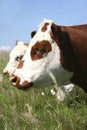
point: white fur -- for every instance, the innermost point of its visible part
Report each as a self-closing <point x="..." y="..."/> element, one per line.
<point x="18" y="50"/>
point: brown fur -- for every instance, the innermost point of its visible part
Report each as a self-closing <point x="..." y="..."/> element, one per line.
<point x="20" y="64"/>
<point x="72" y="41"/>
<point x="39" y="49"/>
<point x="44" y="28"/>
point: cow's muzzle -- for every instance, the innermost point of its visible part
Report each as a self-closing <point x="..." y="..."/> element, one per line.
<point x="15" y="81"/>
<point x="5" y="72"/>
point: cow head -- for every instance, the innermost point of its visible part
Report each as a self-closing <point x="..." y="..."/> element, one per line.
<point x="15" y="57"/>
<point x="42" y="60"/>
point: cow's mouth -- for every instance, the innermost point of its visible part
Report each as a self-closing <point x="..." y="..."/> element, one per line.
<point x="15" y="81"/>
<point x="25" y="87"/>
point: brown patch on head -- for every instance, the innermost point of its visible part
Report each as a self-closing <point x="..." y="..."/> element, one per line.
<point x="44" y="28"/>
<point x="20" y="64"/>
<point x="39" y="49"/>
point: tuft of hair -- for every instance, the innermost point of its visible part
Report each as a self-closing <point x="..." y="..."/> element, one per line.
<point x="19" y="42"/>
<point x="45" y="21"/>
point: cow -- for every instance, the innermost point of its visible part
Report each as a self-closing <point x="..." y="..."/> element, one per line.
<point x="56" y="55"/>
<point x="15" y="56"/>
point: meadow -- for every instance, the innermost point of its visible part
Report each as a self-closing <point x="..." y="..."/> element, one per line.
<point x="32" y="110"/>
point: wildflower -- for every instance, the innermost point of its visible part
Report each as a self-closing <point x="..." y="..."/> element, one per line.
<point x="42" y="93"/>
<point x="52" y="92"/>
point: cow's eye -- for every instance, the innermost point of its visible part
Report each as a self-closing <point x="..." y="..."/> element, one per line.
<point x="37" y="50"/>
<point x="18" y="58"/>
<point x="42" y="49"/>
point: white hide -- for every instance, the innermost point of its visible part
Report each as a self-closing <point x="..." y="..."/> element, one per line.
<point x="14" y="57"/>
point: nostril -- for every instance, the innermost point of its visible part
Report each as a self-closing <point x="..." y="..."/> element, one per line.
<point x="14" y="80"/>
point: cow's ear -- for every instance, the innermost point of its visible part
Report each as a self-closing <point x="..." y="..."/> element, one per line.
<point x="55" y="32"/>
<point x="55" y="29"/>
<point x="26" y="44"/>
<point x="16" y="42"/>
<point x="33" y="33"/>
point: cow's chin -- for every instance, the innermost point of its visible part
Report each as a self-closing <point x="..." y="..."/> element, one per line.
<point x="26" y="85"/>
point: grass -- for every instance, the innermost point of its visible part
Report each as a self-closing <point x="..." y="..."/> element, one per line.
<point x="29" y="110"/>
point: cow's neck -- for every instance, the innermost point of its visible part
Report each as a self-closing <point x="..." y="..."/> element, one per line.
<point x="69" y="59"/>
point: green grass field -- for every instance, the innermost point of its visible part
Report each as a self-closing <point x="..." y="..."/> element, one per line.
<point x="29" y="110"/>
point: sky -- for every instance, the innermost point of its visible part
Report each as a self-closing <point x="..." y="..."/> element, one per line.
<point x="18" y="18"/>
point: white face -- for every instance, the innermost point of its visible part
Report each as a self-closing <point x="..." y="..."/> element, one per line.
<point x="41" y="59"/>
<point x="15" y="56"/>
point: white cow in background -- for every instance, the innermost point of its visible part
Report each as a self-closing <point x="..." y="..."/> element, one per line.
<point x="15" y="56"/>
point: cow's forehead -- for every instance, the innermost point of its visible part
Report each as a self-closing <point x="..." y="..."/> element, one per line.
<point x="45" y="26"/>
<point x="43" y="33"/>
<point x="18" y="49"/>
<point x="44" y="22"/>
<point x="44" y="29"/>
<point x="42" y="37"/>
